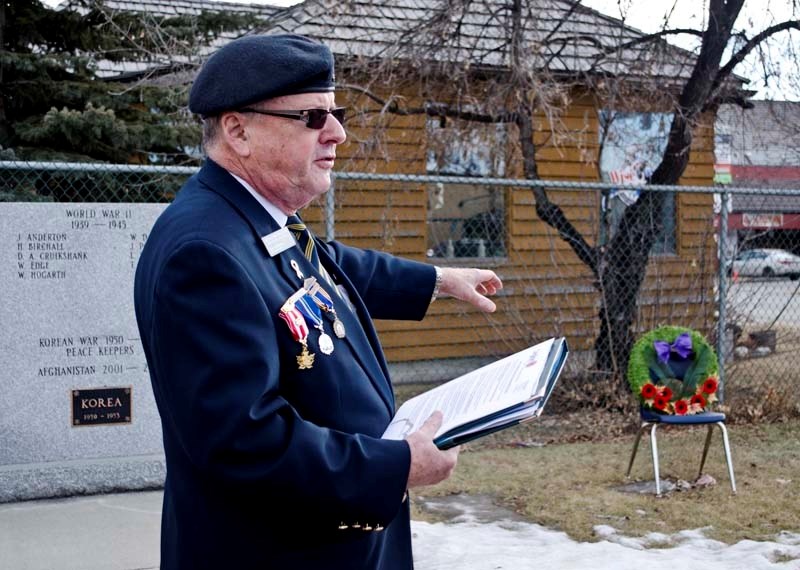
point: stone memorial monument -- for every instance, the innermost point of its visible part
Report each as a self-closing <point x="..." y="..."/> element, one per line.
<point x="77" y="413"/>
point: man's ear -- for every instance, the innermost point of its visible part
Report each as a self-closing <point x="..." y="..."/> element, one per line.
<point x="234" y="133"/>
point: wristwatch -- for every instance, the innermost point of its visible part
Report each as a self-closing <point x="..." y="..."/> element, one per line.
<point x="437" y="284"/>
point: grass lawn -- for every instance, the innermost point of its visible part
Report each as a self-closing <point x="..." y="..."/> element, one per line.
<point x="564" y="472"/>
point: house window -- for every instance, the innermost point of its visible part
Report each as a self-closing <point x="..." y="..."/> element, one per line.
<point x="632" y="145"/>
<point x="465" y="220"/>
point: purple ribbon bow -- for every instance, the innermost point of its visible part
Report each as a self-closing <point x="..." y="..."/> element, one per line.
<point x="682" y="347"/>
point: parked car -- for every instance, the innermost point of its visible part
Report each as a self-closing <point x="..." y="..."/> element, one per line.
<point x="766" y="263"/>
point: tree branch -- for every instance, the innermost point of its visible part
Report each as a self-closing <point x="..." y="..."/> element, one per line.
<point x="607" y="50"/>
<point x="725" y="71"/>
<point x="654" y="36"/>
<point x="548" y="212"/>
<point x="432" y="109"/>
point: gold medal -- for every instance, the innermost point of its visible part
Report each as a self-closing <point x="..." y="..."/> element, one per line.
<point x="297" y="325"/>
<point x="306" y="359"/>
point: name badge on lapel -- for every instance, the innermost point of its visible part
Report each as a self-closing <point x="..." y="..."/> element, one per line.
<point x="278" y="241"/>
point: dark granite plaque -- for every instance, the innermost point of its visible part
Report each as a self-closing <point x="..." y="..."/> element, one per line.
<point x="99" y="406"/>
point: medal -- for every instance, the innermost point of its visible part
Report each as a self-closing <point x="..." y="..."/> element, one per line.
<point x="323" y="300"/>
<point x="312" y="312"/>
<point x="338" y="326"/>
<point x="325" y="343"/>
<point x="297" y="324"/>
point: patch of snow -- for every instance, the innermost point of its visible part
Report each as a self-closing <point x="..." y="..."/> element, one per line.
<point x="512" y="545"/>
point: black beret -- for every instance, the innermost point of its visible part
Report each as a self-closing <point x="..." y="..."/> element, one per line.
<point x="254" y="68"/>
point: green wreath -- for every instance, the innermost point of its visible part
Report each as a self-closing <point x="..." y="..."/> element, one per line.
<point x="673" y="370"/>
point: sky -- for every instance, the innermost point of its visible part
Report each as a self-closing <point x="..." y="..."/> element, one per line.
<point x="649" y="16"/>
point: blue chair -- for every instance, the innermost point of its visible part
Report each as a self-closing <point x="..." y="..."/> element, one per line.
<point x="652" y="420"/>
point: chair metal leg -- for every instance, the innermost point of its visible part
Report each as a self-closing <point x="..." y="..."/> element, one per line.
<point x="705" y="449"/>
<point x="635" y="447"/>
<point x="727" y="447"/>
<point x="654" y="449"/>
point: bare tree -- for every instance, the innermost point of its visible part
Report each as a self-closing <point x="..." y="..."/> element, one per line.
<point x="705" y="89"/>
<point x="509" y="61"/>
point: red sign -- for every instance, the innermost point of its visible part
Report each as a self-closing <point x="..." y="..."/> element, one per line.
<point x="762" y="220"/>
<point x="753" y="220"/>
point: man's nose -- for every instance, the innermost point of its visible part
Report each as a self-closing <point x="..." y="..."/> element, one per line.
<point x="333" y="131"/>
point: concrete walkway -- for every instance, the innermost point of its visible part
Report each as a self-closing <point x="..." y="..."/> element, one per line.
<point x="121" y="532"/>
<point x="101" y="532"/>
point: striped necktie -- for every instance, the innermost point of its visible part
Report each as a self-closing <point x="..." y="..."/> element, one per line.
<point x="304" y="239"/>
<point x="306" y="242"/>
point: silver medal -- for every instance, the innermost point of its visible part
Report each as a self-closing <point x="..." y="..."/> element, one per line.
<point x="338" y="328"/>
<point x="325" y="344"/>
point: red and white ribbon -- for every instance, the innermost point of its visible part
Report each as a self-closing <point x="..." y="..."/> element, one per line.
<point x="297" y="323"/>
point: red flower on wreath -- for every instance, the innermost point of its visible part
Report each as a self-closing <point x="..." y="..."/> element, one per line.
<point x="698" y="399"/>
<point x="666" y="392"/>
<point x="649" y="391"/>
<point x="710" y="385"/>
<point x="681" y="407"/>
<point x="660" y="402"/>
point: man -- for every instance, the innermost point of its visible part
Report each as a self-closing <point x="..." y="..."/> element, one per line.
<point x="271" y="384"/>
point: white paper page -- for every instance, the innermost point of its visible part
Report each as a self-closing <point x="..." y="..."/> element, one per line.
<point x="533" y="410"/>
<point x="489" y="389"/>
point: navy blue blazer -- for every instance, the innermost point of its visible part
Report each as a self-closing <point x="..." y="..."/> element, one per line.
<point x="265" y="462"/>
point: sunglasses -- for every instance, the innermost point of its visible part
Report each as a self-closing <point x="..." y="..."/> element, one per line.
<point x="313" y="118"/>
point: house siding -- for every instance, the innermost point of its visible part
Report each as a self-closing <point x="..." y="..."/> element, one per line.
<point x="548" y="290"/>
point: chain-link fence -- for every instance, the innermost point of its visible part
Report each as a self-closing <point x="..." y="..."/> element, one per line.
<point x="597" y="275"/>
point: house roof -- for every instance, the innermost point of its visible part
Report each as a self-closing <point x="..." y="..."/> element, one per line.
<point x="559" y="35"/>
<point x="165" y="63"/>
<point x="189" y="7"/>
<point x="562" y="36"/>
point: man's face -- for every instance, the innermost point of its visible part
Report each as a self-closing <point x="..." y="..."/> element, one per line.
<point x="290" y="164"/>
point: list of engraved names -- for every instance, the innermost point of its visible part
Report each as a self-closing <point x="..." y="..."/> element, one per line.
<point x="54" y="255"/>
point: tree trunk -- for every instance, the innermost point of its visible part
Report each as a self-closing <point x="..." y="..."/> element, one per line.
<point x="622" y="271"/>
<point x="621" y="276"/>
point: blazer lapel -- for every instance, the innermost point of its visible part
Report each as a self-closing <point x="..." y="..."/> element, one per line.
<point x="365" y="341"/>
<point x="219" y="180"/>
<point x="360" y="336"/>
